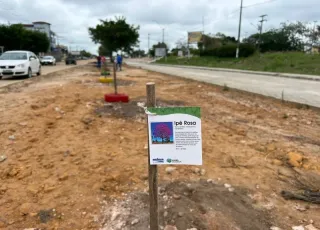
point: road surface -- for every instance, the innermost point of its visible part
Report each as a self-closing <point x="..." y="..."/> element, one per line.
<point x="295" y="90"/>
<point x="45" y="70"/>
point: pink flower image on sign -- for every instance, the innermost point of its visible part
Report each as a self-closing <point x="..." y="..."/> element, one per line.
<point x="162" y="132"/>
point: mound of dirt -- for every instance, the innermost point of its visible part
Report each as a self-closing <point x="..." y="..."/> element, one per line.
<point x="133" y="109"/>
<point x="201" y="205"/>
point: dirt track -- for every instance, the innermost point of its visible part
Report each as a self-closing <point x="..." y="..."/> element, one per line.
<point x="74" y="162"/>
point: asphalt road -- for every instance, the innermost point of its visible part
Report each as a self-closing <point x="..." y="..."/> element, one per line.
<point x="295" y="90"/>
<point x="45" y="70"/>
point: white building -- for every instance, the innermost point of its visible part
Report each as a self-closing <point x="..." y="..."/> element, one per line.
<point x="45" y="28"/>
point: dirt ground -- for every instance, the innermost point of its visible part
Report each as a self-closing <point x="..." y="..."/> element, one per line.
<point x="45" y="70"/>
<point x="70" y="161"/>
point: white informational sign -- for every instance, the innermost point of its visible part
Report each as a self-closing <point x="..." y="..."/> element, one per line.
<point x="75" y="53"/>
<point x="180" y="53"/>
<point x="175" y="136"/>
<point x="160" y="52"/>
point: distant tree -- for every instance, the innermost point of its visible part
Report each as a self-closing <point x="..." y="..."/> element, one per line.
<point x="220" y="35"/>
<point x="84" y="53"/>
<point x="209" y="42"/>
<point x="114" y="35"/>
<point x="16" y="37"/>
<point x="295" y="32"/>
<point x="163" y="132"/>
<point x="313" y="35"/>
<point x="103" y="51"/>
<point x="182" y="44"/>
<point x="317" y="34"/>
<point x="159" y="45"/>
<point x="36" y="42"/>
<point x="288" y="37"/>
<point x="174" y="51"/>
<point x="225" y="39"/>
<point x="138" y="53"/>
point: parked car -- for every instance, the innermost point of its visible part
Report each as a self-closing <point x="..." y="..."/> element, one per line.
<point x="19" y="63"/>
<point x="71" y="60"/>
<point x="48" y="60"/>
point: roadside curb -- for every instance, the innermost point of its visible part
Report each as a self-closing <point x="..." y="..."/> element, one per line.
<point x="283" y="75"/>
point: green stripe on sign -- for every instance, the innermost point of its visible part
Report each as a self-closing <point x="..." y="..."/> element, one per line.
<point x="193" y="111"/>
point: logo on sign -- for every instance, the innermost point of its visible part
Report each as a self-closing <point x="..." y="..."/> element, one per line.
<point x="158" y="160"/>
<point x="173" y="161"/>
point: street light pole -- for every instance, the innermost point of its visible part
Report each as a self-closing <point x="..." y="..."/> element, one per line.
<point x="239" y="30"/>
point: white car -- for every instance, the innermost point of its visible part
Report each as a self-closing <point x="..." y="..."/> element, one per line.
<point x="48" y="60"/>
<point x="19" y="63"/>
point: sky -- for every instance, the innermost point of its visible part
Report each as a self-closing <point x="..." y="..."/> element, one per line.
<point x="70" y="19"/>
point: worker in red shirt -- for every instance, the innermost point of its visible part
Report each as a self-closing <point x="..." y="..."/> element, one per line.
<point x="103" y="60"/>
<point x="99" y="61"/>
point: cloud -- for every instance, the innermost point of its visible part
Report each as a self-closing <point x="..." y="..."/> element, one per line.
<point x="70" y="19"/>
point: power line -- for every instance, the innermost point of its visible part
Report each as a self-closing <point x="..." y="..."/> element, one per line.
<point x="258" y="4"/>
<point x="255" y="26"/>
<point x="236" y="10"/>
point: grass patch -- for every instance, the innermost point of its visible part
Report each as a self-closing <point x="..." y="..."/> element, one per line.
<point x="225" y="88"/>
<point x="282" y="62"/>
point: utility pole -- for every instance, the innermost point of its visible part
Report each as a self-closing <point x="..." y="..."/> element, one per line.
<point x="239" y="30"/>
<point x="314" y="33"/>
<point x="148" y="45"/>
<point x="261" y="27"/>
<point x="163" y="35"/>
<point x="203" y="24"/>
<point x="139" y="49"/>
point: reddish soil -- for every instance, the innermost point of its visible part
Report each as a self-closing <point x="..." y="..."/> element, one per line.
<point x="73" y="160"/>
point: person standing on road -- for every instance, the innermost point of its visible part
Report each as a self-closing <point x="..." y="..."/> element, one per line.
<point x="103" y="60"/>
<point x="119" y="61"/>
<point x="99" y="61"/>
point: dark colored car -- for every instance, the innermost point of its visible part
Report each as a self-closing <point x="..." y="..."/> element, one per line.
<point x="71" y="60"/>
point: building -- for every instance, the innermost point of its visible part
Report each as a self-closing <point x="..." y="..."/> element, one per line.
<point x="45" y="28"/>
<point x="315" y="49"/>
<point x="62" y="48"/>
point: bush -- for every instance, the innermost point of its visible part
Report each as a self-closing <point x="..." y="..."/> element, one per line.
<point x="229" y="51"/>
<point x="195" y="52"/>
<point x="226" y="51"/>
<point x="247" y="50"/>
